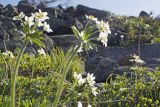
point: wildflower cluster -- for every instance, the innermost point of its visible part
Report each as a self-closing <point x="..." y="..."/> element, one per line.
<point x="41" y="51"/>
<point x="137" y="59"/>
<point x="36" y="19"/>
<point x="103" y="28"/>
<point x="80" y="104"/>
<point x="89" y="81"/>
<point x="85" y="37"/>
<point x="8" y="53"/>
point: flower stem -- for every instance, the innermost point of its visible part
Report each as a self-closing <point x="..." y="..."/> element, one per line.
<point x="15" y="73"/>
<point x="60" y="87"/>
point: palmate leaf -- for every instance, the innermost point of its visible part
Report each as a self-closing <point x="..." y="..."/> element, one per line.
<point x="26" y="28"/>
<point x="36" y="34"/>
<point x="42" y="38"/>
<point x="88" y="32"/>
<point x="38" y="42"/>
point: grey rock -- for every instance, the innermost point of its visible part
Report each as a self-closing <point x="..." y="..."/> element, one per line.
<point x="125" y="60"/>
<point x="4" y="35"/>
<point x="153" y="60"/>
<point x="16" y="34"/>
<point x="26" y="7"/>
<point x="70" y="9"/>
<point x="101" y="67"/>
<point x="7" y="23"/>
<point x="60" y="26"/>
<point x="64" y="40"/>
<point x="10" y="45"/>
<point x="31" y="51"/>
<point x="121" y="69"/>
<point x="10" y="11"/>
<point x="83" y="10"/>
<point x="143" y="14"/>
<point x="48" y="42"/>
<point x="1" y="8"/>
<point x="116" y="53"/>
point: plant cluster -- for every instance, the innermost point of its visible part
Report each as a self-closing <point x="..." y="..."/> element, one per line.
<point x="54" y="80"/>
<point x="131" y="27"/>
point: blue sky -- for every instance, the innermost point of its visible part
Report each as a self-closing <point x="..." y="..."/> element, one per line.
<point x="119" y="7"/>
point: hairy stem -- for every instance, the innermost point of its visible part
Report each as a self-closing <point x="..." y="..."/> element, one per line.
<point x="60" y="87"/>
<point x="15" y="73"/>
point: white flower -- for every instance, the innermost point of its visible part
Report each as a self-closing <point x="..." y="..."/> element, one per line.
<point x="89" y="105"/>
<point x="140" y="61"/>
<point x="137" y="59"/>
<point x="8" y="53"/>
<point x="47" y="27"/>
<point x="94" y="92"/>
<point x="91" y="17"/>
<point x="29" y="20"/>
<point x="41" y="51"/>
<point x="19" y="17"/>
<point x="90" y="79"/>
<point x="115" y="34"/>
<point x="79" y="78"/>
<point x="40" y="24"/>
<point x="41" y="16"/>
<point x="122" y="89"/>
<point x="79" y="104"/>
<point x="103" y="37"/>
<point x="81" y="81"/>
<point x="114" y="83"/>
<point x="103" y="27"/>
<point x="79" y="94"/>
<point x="121" y="36"/>
<point x="134" y="68"/>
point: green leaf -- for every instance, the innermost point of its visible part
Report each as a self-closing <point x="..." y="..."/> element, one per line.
<point x="88" y="32"/>
<point x="38" y="42"/>
<point x="76" y="32"/>
<point x="42" y="38"/>
<point x="36" y="34"/>
<point x="26" y="29"/>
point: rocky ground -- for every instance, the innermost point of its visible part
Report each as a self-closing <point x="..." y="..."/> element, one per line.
<point x="101" y="63"/>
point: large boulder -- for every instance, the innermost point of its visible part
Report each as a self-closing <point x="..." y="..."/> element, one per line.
<point x="16" y="34"/>
<point x="62" y="26"/>
<point x="143" y="14"/>
<point x="152" y="62"/>
<point x="49" y="43"/>
<point x="1" y="8"/>
<point x="26" y="7"/>
<point x="101" y="67"/>
<point x="64" y="40"/>
<point x="6" y="25"/>
<point x="125" y="60"/>
<point x="31" y="51"/>
<point x="4" y="35"/>
<point x="10" y="11"/>
<point x="82" y="10"/>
